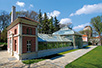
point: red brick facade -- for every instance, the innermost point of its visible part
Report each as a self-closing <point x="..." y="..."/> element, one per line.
<point x="22" y="35"/>
<point x="24" y="30"/>
<point x="24" y="43"/>
<point x="14" y="37"/>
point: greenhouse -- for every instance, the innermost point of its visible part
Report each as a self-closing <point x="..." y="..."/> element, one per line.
<point x="70" y="34"/>
<point x="63" y="38"/>
<point x="48" y="41"/>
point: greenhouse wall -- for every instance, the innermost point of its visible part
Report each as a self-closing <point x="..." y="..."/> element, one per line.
<point x="49" y="48"/>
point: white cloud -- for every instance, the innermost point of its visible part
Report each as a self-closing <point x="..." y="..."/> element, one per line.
<point x="88" y="9"/>
<point x="53" y="14"/>
<point x="31" y="5"/>
<point x="23" y="10"/>
<point x="81" y="26"/>
<point x="21" y="4"/>
<point x="65" y="21"/>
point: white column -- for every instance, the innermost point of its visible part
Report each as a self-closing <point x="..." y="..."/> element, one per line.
<point x="19" y="39"/>
<point x="74" y="41"/>
<point x="12" y="45"/>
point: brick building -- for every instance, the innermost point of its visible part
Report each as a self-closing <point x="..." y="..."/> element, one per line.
<point x="22" y="36"/>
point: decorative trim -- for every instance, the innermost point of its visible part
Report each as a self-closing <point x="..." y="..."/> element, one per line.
<point x="23" y="24"/>
<point x="29" y="35"/>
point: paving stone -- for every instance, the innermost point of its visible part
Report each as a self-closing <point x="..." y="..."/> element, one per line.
<point x="7" y="61"/>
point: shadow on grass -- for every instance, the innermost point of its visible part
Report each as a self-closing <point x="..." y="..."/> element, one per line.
<point x="86" y="47"/>
<point x="52" y="57"/>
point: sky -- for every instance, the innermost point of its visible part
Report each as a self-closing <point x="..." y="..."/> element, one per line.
<point x="77" y="12"/>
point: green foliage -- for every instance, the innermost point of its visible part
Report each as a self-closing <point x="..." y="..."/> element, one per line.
<point x="67" y="51"/>
<point x="47" y="26"/>
<point x="40" y="20"/>
<point x="96" y="22"/>
<point x="51" y="45"/>
<point x="92" y="59"/>
<point x="56" y="22"/>
<point x="45" y="22"/>
<point x="1" y="43"/>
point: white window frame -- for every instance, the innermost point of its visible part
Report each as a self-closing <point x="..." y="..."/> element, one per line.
<point x="29" y="46"/>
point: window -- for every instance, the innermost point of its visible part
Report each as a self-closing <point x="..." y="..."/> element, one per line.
<point x="27" y="30"/>
<point x="28" y="46"/>
<point x="15" y="46"/>
<point x="15" y="32"/>
<point x="30" y="31"/>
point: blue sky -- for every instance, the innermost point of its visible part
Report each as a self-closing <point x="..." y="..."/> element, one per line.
<point x="78" y="12"/>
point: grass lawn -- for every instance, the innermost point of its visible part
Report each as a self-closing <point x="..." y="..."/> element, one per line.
<point x="92" y="59"/>
<point x="47" y="57"/>
<point x="1" y="43"/>
<point x="67" y="51"/>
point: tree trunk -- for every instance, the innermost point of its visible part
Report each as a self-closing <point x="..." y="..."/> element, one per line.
<point x="100" y="40"/>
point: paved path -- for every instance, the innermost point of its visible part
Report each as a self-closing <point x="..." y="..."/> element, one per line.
<point x="56" y="62"/>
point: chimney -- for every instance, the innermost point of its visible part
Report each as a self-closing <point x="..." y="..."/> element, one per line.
<point x="13" y="15"/>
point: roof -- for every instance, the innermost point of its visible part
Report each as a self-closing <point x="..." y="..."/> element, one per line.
<point x="84" y="35"/>
<point x="52" y="38"/>
<point x="95" y="37"/>
<point x="23" y="20"/>
<point x="29" y="19"/>
<point x="66" y="31"/>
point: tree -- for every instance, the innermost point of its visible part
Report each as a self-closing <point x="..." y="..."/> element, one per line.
<point x="4" y="19"/>
<point x="51" y="26"/>
<point x="96" y="22"/>
<point x="86" y="32"/>
<point x="30" y="14"/>
<point x="4" y="35"/>
<point x="45" y="24"/>
<point x="40" y="20"/>
<point x="56" y="24"/>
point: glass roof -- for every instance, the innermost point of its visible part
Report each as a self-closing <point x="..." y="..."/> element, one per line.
<point x="65" y="31"/>
<point x="51" y="38"/>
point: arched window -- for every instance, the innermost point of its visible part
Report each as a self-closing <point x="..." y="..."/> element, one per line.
<point x="27" y="30"/>
<point x="15" y="31"/>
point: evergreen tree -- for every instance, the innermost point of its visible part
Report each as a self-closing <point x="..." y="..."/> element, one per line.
<point x="56" y="24"/>
<point x="40" y="20"/>
<point x="45" y="27"/>
<point x="51" y="26"/>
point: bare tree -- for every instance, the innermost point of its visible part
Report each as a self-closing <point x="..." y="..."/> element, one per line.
<point x="30" y="14"/>
<point x="4" y="19"/>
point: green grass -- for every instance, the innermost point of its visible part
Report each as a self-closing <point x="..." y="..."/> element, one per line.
<point x="47" y="57"/>
<point x="32" y="61"/>
<point x="1" y="43"/>
<point x="67" y="51"/>
<point x="92" y="59"/>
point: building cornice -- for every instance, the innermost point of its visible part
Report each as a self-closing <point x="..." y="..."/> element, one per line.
<point x="22" y="21"/>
